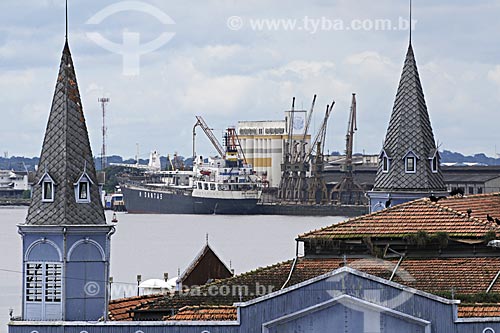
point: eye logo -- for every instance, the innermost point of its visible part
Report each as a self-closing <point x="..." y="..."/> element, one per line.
<point x="131" y="49"/>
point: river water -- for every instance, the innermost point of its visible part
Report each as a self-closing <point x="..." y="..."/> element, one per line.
<point x="151" y="245"/>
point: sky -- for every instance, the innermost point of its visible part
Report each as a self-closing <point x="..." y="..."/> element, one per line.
<point x="163" y="62"/>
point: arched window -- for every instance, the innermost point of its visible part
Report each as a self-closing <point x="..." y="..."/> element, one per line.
<point x="43" y="281"/>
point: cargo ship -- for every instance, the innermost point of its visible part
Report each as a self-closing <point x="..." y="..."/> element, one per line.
<point x="225" y="184"/>
<point x="213" y="187"/>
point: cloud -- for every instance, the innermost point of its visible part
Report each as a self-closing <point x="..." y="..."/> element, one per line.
<point x="494" y="74"/>
<point x="227" y="76"/>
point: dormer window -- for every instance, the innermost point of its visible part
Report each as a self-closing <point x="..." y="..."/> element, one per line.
<point x="434" y="160"/>
<point x="386" y="162"/>
<point x="47" y="191"/>
<point x="82" y="188"/>
<point x="410" y="162"/>
<point x="48" y="188"/>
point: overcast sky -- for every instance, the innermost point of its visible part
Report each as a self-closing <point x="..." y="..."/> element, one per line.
<point x="228" y="69"/>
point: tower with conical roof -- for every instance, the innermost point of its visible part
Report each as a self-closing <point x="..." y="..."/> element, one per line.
<point x="409" y="161"/>
<point x="66" y="240"/>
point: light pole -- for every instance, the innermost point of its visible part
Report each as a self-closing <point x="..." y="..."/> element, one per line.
<point x="139" y="278"/>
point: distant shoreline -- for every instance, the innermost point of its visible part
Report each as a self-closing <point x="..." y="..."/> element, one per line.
<point x="14" y="202"/>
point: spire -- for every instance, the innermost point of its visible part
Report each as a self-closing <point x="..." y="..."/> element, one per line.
<point x="66" y="156"/>
<point x="409" y="132"/>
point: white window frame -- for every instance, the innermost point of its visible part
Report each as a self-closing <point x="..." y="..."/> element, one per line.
<point x="83" y="180"/>
<point x="44" y="193"/>
<point x="386" y="162"/>
<point x="414" y="158"/>
<point x="81" y="199"/>
<point x="46" y="179"/>
<point x="435" y="164"/>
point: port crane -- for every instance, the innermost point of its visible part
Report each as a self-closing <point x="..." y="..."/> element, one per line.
<point x="317" y="191"/>
<point x="294" y="168"/>
<point x="231" y="151"/>
<point x="210" y="135"/>
<point x="298" y="159"/>
<point x="348" y="191"/>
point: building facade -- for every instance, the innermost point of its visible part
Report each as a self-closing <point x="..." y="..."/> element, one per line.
<point x="13" y="184"/>
<point x="263" y="143"/>
<point x="66" y="240"/>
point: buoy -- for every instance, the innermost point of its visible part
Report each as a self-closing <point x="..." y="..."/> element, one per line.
<point x="115" y="219"/>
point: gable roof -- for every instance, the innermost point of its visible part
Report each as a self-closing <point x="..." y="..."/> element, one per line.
<point x="206" y="250"/>
<point x="66" y="155"/>
<point x="409" y="130"/>
<point x="447" y="215"/>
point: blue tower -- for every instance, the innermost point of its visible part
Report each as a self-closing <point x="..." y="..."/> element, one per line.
<point x="66" y="240"/>
<point x="409" y="161"/>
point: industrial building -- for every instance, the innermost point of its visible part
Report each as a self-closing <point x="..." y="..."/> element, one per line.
<point x="263" y="144"/>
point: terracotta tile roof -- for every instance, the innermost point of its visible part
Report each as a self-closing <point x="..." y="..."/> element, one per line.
<point x="481" y="205"/>
<point x="447" y="215"/>
<point x="464" y="275"/>
<point x="205" y="313"/>
<point x="254" y="283"/>
<point x="436" y="275"/>
<point x="479" y="310"/>
<point x="121" y="309"/>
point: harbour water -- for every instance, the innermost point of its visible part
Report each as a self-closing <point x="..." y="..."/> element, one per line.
<point x="151" y="245"/>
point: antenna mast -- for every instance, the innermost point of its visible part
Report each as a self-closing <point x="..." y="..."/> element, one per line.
<point x="103" y="101"/>
<point x="411" y="24"/>
<point x="66" y="20"/>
